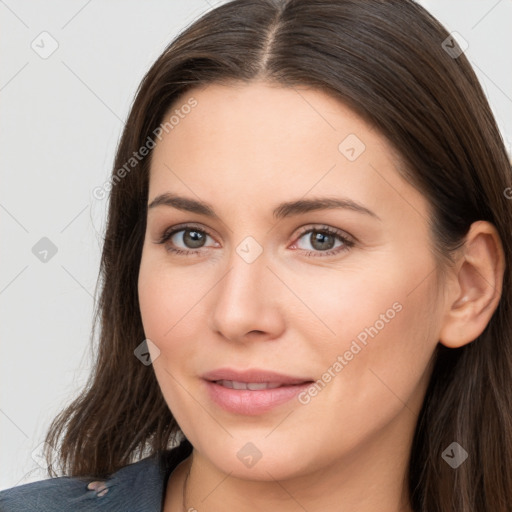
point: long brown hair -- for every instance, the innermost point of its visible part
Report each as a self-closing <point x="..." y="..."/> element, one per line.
<point x="387" y="60"/>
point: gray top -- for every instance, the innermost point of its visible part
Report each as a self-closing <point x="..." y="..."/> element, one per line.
<point x="137" y="487"/>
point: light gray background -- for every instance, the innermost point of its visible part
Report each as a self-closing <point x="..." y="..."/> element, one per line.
<point x="61" y="118"/>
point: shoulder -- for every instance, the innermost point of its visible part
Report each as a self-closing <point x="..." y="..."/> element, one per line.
<point x="138" y="487"/>
<point x="137" y="484"/>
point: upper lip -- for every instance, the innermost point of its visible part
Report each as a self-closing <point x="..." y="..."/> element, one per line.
<point x="253" y="375"/>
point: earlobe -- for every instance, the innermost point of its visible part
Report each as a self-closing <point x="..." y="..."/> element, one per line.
<point x="479" y="278"/>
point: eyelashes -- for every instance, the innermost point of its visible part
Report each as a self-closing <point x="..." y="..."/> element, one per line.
<point x="321" y="232"/>
<point x="173" y="231"/>
<point x="330" y="232"/>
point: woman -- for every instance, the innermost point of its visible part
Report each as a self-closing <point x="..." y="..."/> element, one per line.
<point x="307" y="237"/>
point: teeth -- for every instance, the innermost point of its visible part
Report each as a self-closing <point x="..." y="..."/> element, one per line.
<point x="253" y="386"/>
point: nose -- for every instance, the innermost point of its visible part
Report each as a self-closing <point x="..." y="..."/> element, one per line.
<point x="248" y="304"/>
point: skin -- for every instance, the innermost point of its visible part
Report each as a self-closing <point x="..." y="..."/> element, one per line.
<point x="243" y="149"/>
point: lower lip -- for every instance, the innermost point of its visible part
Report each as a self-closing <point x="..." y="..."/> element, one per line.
<point x="252" y="403"/>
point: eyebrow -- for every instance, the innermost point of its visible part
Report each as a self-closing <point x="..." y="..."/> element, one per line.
<point x="286" y="209"/>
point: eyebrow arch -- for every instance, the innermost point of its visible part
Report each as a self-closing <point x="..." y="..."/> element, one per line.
<point x="286" y="209"/>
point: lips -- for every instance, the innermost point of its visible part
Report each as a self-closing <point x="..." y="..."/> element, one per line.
<point x="252" y="392"/>
<point x="253" y="386"/>
<point x="254" y="377"/>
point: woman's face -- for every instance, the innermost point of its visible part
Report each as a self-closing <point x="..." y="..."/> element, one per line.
<point x="346" y="318"/>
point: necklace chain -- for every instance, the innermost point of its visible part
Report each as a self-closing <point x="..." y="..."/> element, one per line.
<point x="185" y="489"/>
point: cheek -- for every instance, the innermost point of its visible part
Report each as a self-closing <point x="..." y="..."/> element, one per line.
<point x="167" y="309"/>
<point x="386" y="334"/>
<point x="166" y="300"/>
<point x="154" y="305"/>
<point x="383" y="318"/>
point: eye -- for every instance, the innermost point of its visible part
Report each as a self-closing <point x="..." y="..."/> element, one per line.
<point x="193" y="238"/>
<point x="323" y="241"/>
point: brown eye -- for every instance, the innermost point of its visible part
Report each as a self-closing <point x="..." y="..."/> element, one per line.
<point x="322" y="241"/>
<point x="185" y="240"/>
<point x="192" y="238"/>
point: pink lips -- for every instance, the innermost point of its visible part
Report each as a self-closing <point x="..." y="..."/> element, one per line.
<point x="252" y="392"/>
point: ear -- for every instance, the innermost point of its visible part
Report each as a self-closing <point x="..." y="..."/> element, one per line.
<point x="478" y="278"/>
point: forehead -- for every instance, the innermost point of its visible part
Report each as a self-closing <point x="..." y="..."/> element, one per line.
<point x="252" y="142"/>
<point x="266" y="118"/>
